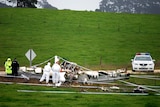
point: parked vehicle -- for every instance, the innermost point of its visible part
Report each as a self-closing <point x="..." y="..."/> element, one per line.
<point x="143" y="62"/>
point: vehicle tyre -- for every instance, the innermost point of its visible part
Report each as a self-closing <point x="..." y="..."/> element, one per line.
<point x="133" y="70"/>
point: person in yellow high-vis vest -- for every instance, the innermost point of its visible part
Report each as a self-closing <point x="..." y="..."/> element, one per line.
<point x="8" y="66"/>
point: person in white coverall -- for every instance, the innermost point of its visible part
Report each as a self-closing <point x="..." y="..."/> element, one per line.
<point x="56" y="69"/>
<point x="46" y="73"/>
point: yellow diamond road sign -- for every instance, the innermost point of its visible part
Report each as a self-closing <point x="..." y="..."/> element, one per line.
<point x="30" y="54"/>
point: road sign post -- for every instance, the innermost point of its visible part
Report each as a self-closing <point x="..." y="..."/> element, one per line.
<point x="30" y="54"/>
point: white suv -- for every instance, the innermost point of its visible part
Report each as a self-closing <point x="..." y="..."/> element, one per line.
<point x="142" y="62"/>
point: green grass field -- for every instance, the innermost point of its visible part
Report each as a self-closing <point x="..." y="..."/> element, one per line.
<point x="82" y="37"/>
<point x="13" y="98"/>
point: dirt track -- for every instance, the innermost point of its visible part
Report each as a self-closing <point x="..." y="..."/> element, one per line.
<point x="3" y="78"/>
<point x="33" y="80"/>
<point x="131" y="72"/>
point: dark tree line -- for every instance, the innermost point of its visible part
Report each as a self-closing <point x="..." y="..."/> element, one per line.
<point x="130" y="6"/>
<point x="26" y="3"/>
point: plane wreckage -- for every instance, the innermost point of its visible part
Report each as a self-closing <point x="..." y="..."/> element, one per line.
<point x="76" y="76"/>
<point x="72" y="72"/>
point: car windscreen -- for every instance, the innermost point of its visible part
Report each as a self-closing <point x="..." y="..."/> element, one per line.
<point x="143" y="58"/>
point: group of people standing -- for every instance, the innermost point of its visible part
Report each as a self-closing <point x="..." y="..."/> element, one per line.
<point x="54" y="71"/>
<point x="11" y="67"/>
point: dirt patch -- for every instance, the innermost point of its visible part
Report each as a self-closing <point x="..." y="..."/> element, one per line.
<point x="18" y="80"/>
<point x="2" y="69"/>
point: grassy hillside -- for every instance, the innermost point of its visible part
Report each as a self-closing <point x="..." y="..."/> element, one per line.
<point x="82" y="37"/>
